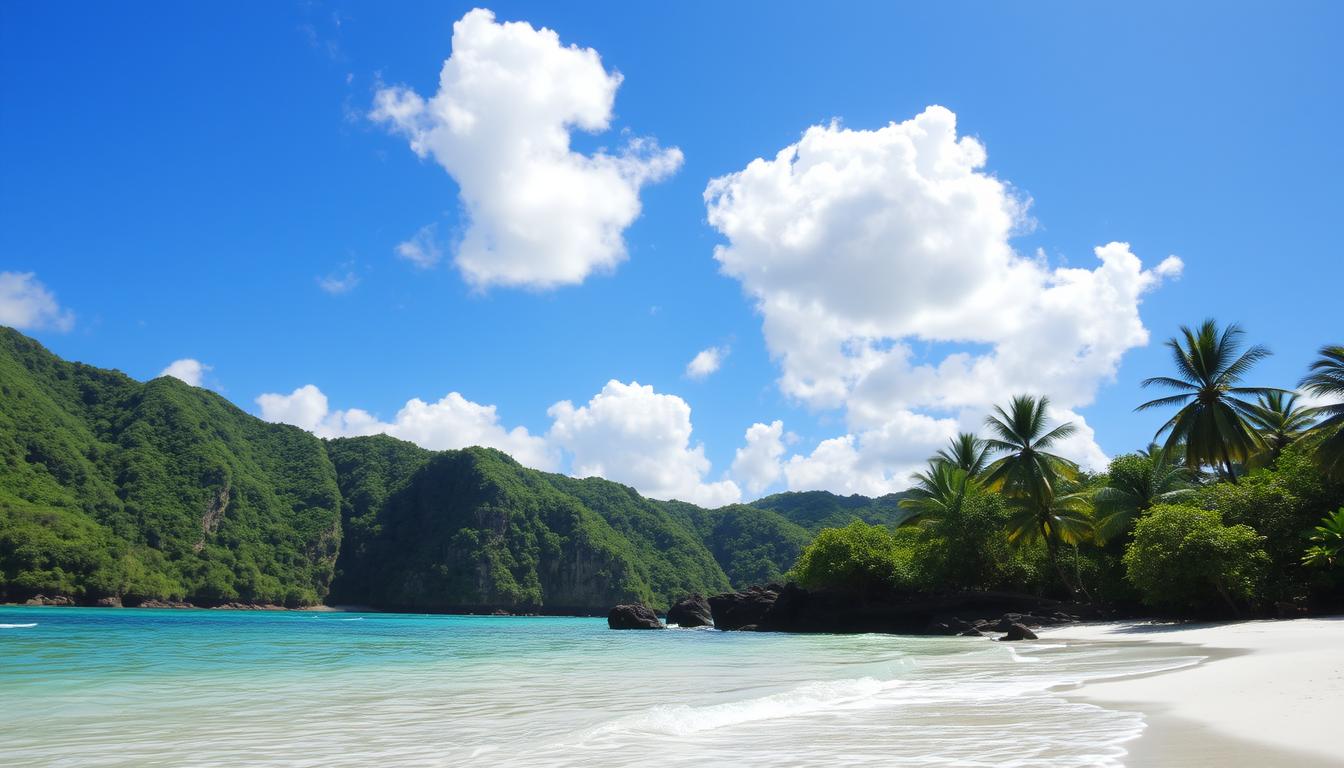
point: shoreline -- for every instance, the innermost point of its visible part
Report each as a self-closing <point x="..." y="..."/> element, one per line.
<point x="1270" y="692"/>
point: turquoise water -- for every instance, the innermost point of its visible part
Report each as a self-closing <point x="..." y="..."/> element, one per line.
<point x="109" y="687"/>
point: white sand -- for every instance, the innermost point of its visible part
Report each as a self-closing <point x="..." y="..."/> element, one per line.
<point x="1276" y="687"/>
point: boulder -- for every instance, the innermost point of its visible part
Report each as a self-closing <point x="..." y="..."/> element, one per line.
<point x="971" y="633"/>
<point x="1019" y="632"/>
<point x="736" y="610"/>
<point x="44" y="600"/>
<point x="108" y="602"/>
<point x="633" y="616"/>
<point x="692" y="612"/>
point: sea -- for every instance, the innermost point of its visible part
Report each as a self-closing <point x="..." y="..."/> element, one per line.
<point x="161" y="687"/>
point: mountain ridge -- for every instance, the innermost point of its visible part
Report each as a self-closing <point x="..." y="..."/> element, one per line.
<point x="157" y="490"/>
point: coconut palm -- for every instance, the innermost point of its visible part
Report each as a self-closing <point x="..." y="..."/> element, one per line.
<point x="1280" y="421"/>
<point x="1033" y="479"/>
<point x="1212" y="421"/>
<point x="967" y="452"/>
<point x="1326" y="380"/>
<point x="938" y="492"/>
<point x="1136" y="483"/>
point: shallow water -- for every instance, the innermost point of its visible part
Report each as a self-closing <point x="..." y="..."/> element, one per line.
<point x="109" y="687"/>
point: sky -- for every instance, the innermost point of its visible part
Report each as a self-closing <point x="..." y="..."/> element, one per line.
<point x="709" y="250"/>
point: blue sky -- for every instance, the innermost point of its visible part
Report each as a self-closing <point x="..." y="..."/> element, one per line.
<point x="179" y="178"/>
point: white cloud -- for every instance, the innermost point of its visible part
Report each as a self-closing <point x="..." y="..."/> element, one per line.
<point x="873" y="461"/>
<point x="26" y="304"/>
<point x="758" y="464"/>
<point x="421" y="250"/>
<point x="540" y="214"/>
<point x="634" y="435"/>
<point x="188" y="370"/>
<point x="706" y="361"/>
<point x="452" y="422"/>
<point x="337" y="284"/>
<point x="881" y="264"/>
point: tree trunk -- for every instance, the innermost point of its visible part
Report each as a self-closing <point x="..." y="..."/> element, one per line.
<point x="1052" y="549"/>
<point x="1227" y="461"/>
<point x="1222" y="592"/>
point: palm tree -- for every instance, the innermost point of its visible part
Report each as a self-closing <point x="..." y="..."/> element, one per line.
<point x="967" y="452"/>
<point x="1033" y="479"/>
<point x="1212" y="421"/>
<point x="1279" y="421"/>
<point x="1327" y="380"/>
<point x="938" y="492"/>
<point x="1136" y="483"/>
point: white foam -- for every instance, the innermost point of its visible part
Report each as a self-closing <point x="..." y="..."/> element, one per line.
<point x="682" y="719"/>
<point x="18" y="626"/>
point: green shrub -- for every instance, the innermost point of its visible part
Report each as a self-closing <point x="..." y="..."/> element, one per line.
<point x="858" y="557"/>
<point x="1184" y="559"/>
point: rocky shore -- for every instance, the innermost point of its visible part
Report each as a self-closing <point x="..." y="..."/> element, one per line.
<point x="790" y="608"/>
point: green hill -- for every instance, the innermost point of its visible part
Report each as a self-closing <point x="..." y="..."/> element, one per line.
<point x="815" y="510"/>
<point x="156" y="490"/>
<point x="159" y="490"/>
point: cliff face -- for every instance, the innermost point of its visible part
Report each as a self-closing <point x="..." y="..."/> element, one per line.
<point x="474" y="529"/>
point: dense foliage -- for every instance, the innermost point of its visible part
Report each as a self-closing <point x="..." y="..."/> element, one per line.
<point x="859" y="557"/>
<point x="1235" y="512"/>
<point x="1183" y="558"/>
<point x="111" y="487"/>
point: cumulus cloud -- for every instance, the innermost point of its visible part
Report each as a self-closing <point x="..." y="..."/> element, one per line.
<point x="188" y="370"/>
<point x="26" y="304"/>
<point x="633" y="435"/>
<point x="452" y="422"/>
<point x="540" y="214"/>
<point x="421" y="250"/>
<point x="881" y="264"/>
<point x="872" y="461"/>
<point x="758" y="464"/>
<point x="706" y="361"/>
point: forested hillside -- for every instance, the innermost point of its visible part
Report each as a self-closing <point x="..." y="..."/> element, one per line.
<point x="110" y="487"/>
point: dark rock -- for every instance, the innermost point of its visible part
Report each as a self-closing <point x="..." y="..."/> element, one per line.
<point x="749" y="628"/>
<point x="735" y="610"/>
<point x="1019" y="632"/>
<point x="694" y="611"/>
<point x="44" y="600"/>
<point x="155" y="603"/>
<point x="108" y="602"/>
<point x="633" y="616"/>
<point x="972" y="633"/>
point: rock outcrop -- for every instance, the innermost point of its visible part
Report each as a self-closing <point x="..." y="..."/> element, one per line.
<point x="633" y="616"/>
<point x="791" y="608"/>
<point x="693" y="611"/>
<point x="1018" y="632"/>
<point x="741" y="610"/>
<point x="44" y="600"/>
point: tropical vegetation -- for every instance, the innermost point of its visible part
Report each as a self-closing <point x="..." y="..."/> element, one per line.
<point x="113" y="488"/>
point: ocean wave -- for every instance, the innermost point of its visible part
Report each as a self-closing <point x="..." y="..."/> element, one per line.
<point x="18" y="626"/>
<point x="683" y="719"/>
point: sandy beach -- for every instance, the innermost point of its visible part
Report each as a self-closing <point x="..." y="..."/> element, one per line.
<point x="1269" y="693"/>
